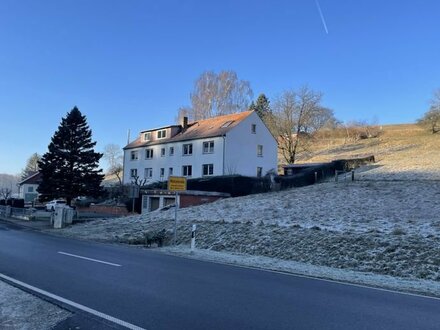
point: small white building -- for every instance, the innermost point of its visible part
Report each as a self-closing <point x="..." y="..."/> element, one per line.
<point x="238" y="143"/>
<point x="27" y="188"/>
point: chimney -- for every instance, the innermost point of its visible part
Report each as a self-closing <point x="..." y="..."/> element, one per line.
<point x="184" y="123"/>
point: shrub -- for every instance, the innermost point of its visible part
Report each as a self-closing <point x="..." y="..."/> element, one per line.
<point x="19" y="203"/>
<point x="398" y="231"/>
<point x="160" y="238"/>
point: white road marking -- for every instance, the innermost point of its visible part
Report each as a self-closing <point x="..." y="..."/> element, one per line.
<point x="90" y="259"/>
<point x="73" y="304"/>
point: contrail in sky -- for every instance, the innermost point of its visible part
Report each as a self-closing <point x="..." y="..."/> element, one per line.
<point x="322" y="16"/>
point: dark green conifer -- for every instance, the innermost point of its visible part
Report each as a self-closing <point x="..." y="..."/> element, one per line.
<point x="70" y="167"/>
<point x="262" y="107"/>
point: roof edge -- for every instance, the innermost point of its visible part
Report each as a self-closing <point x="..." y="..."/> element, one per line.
<point x="28" y="178"/>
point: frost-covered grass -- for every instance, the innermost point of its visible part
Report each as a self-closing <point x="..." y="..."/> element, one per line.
<point x="22" y="311"/>
<point x="426" y="287"/>
<point x="389" y="228"/>
<point x="386" y="223"/>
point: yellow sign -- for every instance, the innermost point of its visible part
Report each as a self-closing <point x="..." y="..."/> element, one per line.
<point x="176" y="183"/>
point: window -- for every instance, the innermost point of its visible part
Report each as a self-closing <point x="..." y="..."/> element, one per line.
<point x="208" y="147"/>
<point x="147" y="136"/>
<point x="162" y="172"/>
<point x="148" y="173"/>
<point x="148" y="153"/>
<point x="31" y="189"/>
<point x="253" y="129"/>
<point x="170" y="171"/>
<point x="162" y="134"/>
<point x="187" y="170"/>
<point x="259" y="172"/>
<point x="187" y="149"/>
<point x="134" y="155"/>
<point x="208" y="169"/>
<point x="162" y="152"/>
<point x="227" y="124"/>
<point x="259" y="150"/>
<point x="133" y="172"/>
<point x="171" y="151"/>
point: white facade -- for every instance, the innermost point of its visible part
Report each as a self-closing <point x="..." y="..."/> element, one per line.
<point x="241" y="152"/>
<point x="151" y="168"/>
<point x="28" y="192"/>
<point x="235" y="152"/>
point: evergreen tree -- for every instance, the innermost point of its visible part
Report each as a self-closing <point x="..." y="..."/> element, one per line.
<point x="262" y="107"/>
<point x="31" y="166"/>
<point x="70" y="167"/>
<point x="253" y="107"/>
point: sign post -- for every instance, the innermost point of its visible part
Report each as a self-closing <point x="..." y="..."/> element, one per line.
<point x="134" y="193"/>
<point x="176" y="184"/>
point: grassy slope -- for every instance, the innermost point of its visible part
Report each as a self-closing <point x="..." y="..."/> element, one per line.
<point x="370" y="225"/>
<point x="404" y="148"/>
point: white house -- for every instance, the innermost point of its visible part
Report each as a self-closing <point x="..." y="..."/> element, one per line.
<point x="27" y="188"/>
<point x="238" y="143"/>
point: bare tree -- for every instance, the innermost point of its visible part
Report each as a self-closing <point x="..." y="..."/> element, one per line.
<point x="362" y="129"/>
<point x="136" y="180"/>
<point x="117" y="170"/>
<point x="113" y="156"/>
<point x="218" y="94"/>
<point x="8" y="184"/>
<point x="5" y="193"/>
<point x="431" y="118"/>
<point x="298" y="115"/>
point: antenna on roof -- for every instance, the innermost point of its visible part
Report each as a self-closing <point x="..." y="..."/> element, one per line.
<point x="128" y="136"/>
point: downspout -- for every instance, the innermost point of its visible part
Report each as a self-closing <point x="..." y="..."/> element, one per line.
<point x="224" y="149"/>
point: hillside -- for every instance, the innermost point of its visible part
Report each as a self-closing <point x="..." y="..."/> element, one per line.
<point x="404" y="151"/>
<point x="382" y="229"/>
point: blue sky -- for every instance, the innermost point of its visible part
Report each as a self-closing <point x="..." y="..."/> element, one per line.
<point x="132" y="64"/>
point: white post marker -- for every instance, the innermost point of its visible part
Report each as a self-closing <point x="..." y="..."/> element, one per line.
<point x="193" y="238"/>
<point x="176" y="206"/>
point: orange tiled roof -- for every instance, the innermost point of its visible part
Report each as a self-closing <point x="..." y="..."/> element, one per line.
<point x="199" y="129"/>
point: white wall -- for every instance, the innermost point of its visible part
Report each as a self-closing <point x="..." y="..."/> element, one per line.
<point x="196" y="160"/>
<point x="241" y="148"/>
<point x="25" y="194"/>
<point x="240" y="154"/>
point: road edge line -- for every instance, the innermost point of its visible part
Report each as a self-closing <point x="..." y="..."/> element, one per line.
<point x="71" y="303"/>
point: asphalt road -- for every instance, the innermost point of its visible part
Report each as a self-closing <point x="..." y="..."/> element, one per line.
<point x="156" y="291"/>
